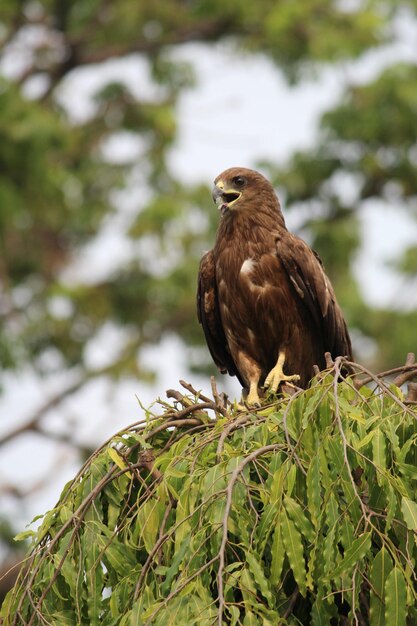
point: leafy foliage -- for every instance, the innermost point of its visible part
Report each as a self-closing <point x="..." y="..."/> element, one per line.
<point x="303" y="511"/>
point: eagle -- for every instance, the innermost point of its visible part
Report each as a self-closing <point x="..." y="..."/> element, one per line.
<point x="263" y="299"/>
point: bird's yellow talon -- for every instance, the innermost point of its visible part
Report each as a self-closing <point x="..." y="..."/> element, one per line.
<point x="252" y="398"/>
<point x="276" y="376"/>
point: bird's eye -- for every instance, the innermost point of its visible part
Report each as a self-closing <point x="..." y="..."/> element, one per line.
<point x="239" y="181"/>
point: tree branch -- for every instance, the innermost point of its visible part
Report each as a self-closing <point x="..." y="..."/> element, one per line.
<point x="32" y="423"/>
<point x="78" y="54"/>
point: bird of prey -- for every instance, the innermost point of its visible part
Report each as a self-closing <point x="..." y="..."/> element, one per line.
<point x="264" y="300"/>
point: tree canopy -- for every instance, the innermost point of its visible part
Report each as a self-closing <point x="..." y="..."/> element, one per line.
<point x="301" y="512"/>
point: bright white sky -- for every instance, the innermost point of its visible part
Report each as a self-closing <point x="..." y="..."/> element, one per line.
<point x="222" y="124"/>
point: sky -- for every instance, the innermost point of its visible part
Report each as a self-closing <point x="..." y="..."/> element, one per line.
<point x="221" y="124"/>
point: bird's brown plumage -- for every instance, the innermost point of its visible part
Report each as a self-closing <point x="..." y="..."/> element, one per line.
<point x="262" y="291"/>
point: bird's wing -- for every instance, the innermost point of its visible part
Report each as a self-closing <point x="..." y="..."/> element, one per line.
<point x="208" y="313"/>
<point x="305" y="271"/>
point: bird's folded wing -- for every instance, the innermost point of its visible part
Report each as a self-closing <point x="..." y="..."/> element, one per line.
<point x="209" y="316"/>
<point x="307" y="276"/>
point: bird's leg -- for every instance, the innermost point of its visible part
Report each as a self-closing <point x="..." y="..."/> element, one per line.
<point x="253" y="397"/>
<point x="277" y="376"/>
<point x="251" y="372"/>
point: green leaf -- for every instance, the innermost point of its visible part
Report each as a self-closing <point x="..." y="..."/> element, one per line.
<point x="148" y="521"/>
<point x="257" y="569"/>
<point x="379" y="452"/>
<point x="93" y="570"/>
<point x="232" y="579"/>
<point x="347" y="532"/>
<point x="381" y="567"/>
<point x="299" y="518"/>
<point x="234" y="614"/>
<point x="290" y="479"/>
<point x="322" y="611"/>
<point x="351" y="411"/>
<point x="408" y="445"/>
<point x="117" y="555"/>
<point x="175" y="566"/>
<point x="312" y="564"/>
<point x="391" y="505"/>
<point x="332" y="511"/>
<point x="295" y="552"/>
<point x="313" y="490"/>
<point x="250" y="619"/>
<point x="146" y="601"/>
<point x="266" y="525"/>
<point x="407" y="470"/>
<point x="409" y="511"/>
<point x="26" y="534"/>
<point x="330" y="553"/>
<point x="214" y="479"/>
<point x="248" y="589"/>
<point x="365" y="440"/>
<point x="277" y="484"/>
<point x="353" y="555"/>
<point x="277" y="554"/>
<point x="118" y="460"/>
<point x="395" y="598"/>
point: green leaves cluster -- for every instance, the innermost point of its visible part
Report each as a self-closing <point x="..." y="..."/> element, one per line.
<point x="303" y="512"/>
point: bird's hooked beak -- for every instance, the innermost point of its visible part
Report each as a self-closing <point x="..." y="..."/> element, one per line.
<point x="224" y="198"/>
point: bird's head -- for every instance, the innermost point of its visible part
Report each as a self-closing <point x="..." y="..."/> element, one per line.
<point x="239" y="188"/>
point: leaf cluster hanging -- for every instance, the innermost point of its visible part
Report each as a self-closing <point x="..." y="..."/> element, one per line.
<point x="301" y="512"/>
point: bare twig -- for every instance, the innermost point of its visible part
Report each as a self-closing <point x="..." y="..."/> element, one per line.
<point x="409" y="369"/>
<point x="233" y="425"/>
<point x="378" y="379"/>
<point x="158" y="545"/>
<point x="316" y="370"/>
<point x="32" y="423"/>
<point x="196" y="394"/>
<point x="406" y="375"/>
<point x="220" y="400"/>
<point x="174" y="393"/>
<point x="292" y="600"/>
<point x="147" y="459"/>
<point x="329" y="360"/>
<point x="79" y="53"/>
<point x="193" y="408"/>
<point x="411" y="396"/>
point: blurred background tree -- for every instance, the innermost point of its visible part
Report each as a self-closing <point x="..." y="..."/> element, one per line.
<point x="75" y="307"/>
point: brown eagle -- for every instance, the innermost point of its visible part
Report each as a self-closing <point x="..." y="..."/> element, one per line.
<point x="263" y="298"/>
